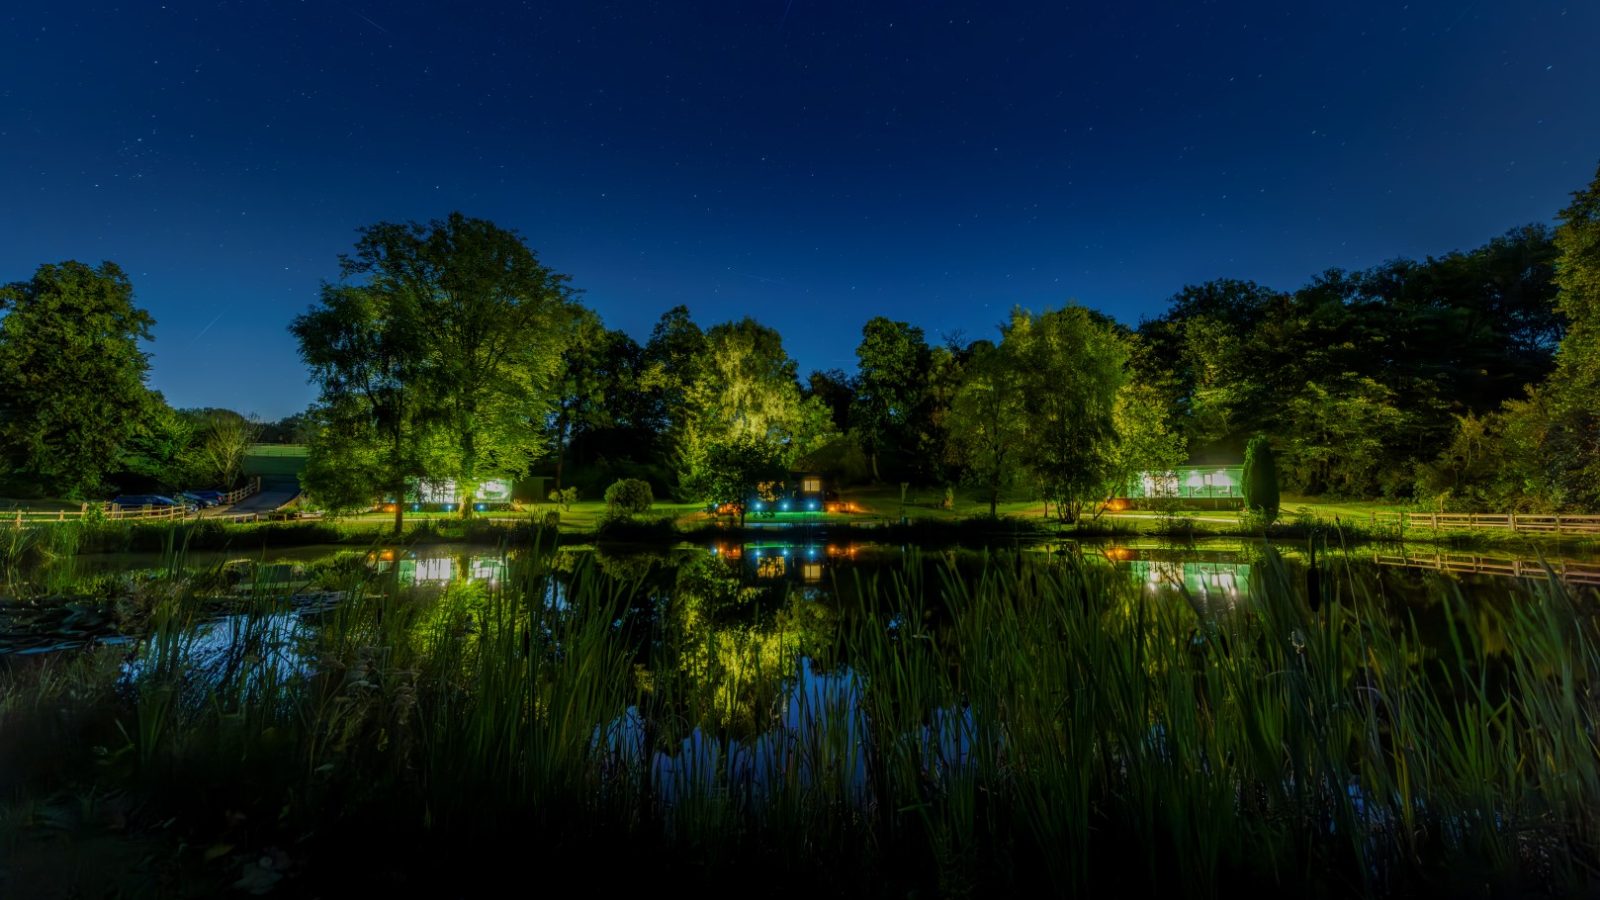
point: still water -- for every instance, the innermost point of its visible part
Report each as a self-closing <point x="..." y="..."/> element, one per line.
<point x="84" y="600"/>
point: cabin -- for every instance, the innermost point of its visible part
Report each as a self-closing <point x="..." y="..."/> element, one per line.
<point x="802" y="492"/>
<point x="440" y="495"/>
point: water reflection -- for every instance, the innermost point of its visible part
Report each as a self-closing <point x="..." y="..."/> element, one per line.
<point x="419" y="569"/>
<point x="780" y="561"/>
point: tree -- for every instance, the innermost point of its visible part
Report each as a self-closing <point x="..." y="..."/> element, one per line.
<point x="158" y="450"/>
<point x="1260" y="479"/>
<point x="366" y="348"/>
<point x="892" y="378"/>
<point x="220" y="439"/>
<point x="1145" y="438"/>
<point x="985" y="422"/>
<point x="496" y="320"/>
<point x="745" y="389"/>
<point x="734" y="467"/>
<point x="672" y="361"/>
<point x="72" y="376"/>
<point x="836" y="391"/>
<point x="1574" y="447"/>
<point x="1336" y="435"/>
<point x="1069" y="366"/>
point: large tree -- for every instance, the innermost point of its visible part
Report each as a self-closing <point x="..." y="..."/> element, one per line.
<point x="1070" y="364"/>
<point x="367" y="350"/>
<point x="891" y="381"/>
<point x="72" y="376"/>
<point x="1574" y="444"/>
<point x="221" y="437"/>
<point x="672" y="361"/>
<point x="984" y="422"/>
<point x="746" y="388"/>
<point x="496" y="322"/>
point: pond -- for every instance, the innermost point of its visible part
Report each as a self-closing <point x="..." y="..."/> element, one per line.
<point x="1082" y="691"/>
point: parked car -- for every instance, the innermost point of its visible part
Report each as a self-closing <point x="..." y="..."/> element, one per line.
<point x="138" y="501"/>
<point x="199" y="498"/>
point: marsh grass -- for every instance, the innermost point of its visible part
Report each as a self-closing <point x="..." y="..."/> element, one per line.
<point x="950" y="730"/>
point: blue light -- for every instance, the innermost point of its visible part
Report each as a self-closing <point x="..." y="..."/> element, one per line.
<point x="481" y="507"/>
<point x="449" y="506"/>
<point x="784" y="506"/>
<point x="812" y="552"/>
<point x="416" y="506"/>
<point x="812" y="506"/>
<point x="759" y="505"/>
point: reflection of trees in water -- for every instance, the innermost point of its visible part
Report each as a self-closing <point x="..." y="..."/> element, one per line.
<point x="727" y="648"/>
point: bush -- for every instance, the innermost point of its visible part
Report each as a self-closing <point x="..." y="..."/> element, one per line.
<point x="629" y="496"/>
<point x="564" y="497"/>
<point x="1260" y="481"/>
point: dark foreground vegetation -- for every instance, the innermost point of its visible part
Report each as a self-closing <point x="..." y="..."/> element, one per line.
<point x="948" y="729"/>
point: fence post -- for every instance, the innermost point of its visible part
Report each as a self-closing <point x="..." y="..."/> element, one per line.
<point x="1513" y="518"/>
<point x="1558" y="523"/>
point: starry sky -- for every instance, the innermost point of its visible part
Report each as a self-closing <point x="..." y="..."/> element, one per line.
<point x="808" y="162"/>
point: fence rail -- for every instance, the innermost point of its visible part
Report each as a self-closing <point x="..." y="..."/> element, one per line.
<point x="1463" y="563"/>
<point x="1517" y="522"/>
<point x="20" y="517"/>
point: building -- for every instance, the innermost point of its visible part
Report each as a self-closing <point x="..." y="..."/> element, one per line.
<point x="1195" y="486"/>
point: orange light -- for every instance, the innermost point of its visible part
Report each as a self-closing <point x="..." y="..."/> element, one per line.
<point x="1117" y="505"/>
<point x="1119" y="553"/>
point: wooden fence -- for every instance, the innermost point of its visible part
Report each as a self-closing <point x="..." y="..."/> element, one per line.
<point x="1519" y="522"/>
<point x="19" y="517"/>
<point x="1466" y="563"/>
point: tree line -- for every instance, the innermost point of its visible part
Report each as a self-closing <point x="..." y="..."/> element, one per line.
<point x="448" y="350"/>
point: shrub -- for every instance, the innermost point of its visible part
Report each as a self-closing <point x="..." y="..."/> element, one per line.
<point x="1260" y="481"/>
<point x="564" y="497"/>
<point x="629" y="496"/>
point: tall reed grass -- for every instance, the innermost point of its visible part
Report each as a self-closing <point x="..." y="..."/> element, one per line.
<point x="949" y="730"/>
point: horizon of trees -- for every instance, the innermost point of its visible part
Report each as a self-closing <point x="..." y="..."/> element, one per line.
<point x="448" y="350"/>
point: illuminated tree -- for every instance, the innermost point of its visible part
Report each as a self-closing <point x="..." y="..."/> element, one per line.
<point x="221" y="437"/>
<point x="1145" y="439"/>
<point x="494" y="324"/>
<point x="985" y="423"/>
<point x="1069" y="366"/>
<point x="1574" y="444"/>
<point x="744" y="394"/>
<point x="1337" y="433"/>
<point x="729" y="470"/>
<point x="72" y="376"/>
<point x="366" y="348"/>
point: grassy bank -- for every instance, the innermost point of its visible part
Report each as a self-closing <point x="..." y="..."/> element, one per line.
<point x="942" y="732"/>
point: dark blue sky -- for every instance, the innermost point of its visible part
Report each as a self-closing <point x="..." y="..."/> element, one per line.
<point x="809" y="163"/>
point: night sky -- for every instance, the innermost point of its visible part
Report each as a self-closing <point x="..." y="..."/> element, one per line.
<point x="808" y="163"/>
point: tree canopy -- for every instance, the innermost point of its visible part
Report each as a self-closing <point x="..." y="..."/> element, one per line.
<point x="72" y="376"/>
